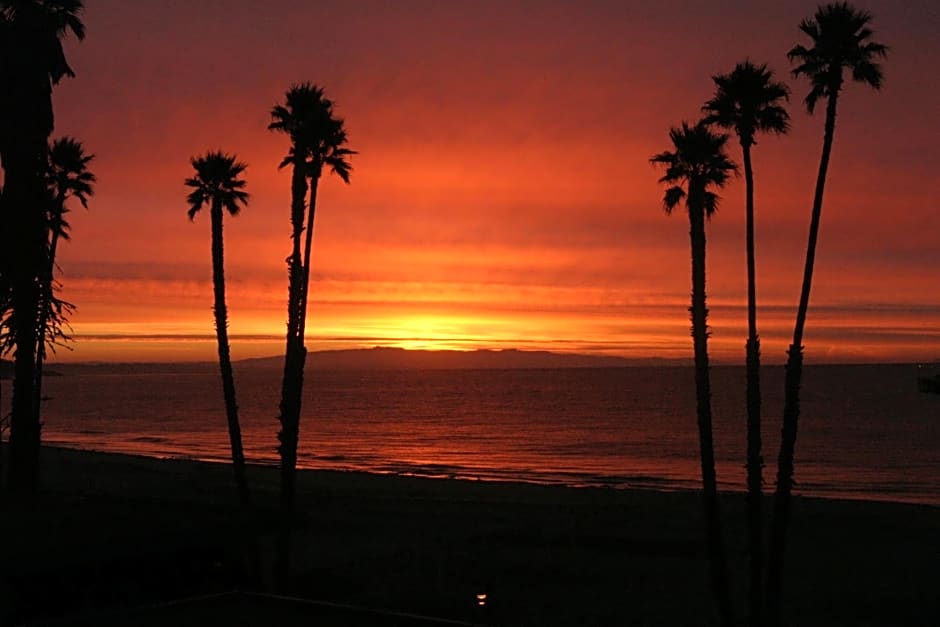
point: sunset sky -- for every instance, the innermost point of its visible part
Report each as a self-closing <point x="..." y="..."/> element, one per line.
<point x="502" y="195"/>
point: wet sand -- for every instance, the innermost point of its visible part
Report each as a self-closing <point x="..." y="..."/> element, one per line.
<point x="115" y="531"/>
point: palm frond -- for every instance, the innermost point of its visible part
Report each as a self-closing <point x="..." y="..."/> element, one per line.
<point x="339" y="166"/>
<point x="710" y="202"/>
<point x="672" y="198"/>
<point x="868" y="73"/>
<point x="196" y="200"/>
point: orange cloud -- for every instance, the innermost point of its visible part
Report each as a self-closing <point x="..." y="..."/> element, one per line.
<point x="502" y="194"/>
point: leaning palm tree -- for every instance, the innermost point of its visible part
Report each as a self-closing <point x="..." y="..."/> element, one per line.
<point x="841" y="40"/>
<point x="699" y="163"/>
<point x="32" y="61"/>
<point x="217" y="184"/>
<point x="68" y="177"/>
<point x="318" y="141"/>
<point x="748" y="101"/>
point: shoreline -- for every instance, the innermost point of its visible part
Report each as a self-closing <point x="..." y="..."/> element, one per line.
<point x="545" y="555"/>
<point x="550" y="479"/>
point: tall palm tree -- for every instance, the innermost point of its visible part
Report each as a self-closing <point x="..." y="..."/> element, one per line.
<point x="299" y="105"/>
<point x="68" y="176"/>
<point x="841" y="40"/>
<point x="318" y="141"/>
<point x="217" y="183"/>
<point x="32" y="61"/>
<point x="748" y="101"/>
<point x="699" y="163"/>
<point x="4" y="310"/>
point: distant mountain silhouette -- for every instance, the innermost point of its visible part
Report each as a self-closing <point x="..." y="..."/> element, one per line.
<point x="380" y="358"/>
<point x="389" y="358"/>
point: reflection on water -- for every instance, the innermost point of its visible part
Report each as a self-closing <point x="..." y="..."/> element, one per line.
<point x="865" y="431"/>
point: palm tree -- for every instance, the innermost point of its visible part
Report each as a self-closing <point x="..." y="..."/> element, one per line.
<point x="748" y="101"/>
<point x="318" y="140"/>
<point x="841" y="40"/>
<point x="217" y="184"/>
<point x="67" y="177"/>
<point x="699" y="162"/>
<point x="32" y="61"/>
<point x="4" y="310"/>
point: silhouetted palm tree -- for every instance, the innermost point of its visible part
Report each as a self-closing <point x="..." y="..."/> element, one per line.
<point x="748" y="101"/>
<point x="699" y="163"/>
<point x="32" y="60"/>
<point x="841" y="40"/>
<point x="67" y="177"/>
<point x="217" y="184"/>
<point x="318" y="140"/>
<point x="4" y="311"/>
<point x="6" y="290"/>
<point x="300" y="104"/>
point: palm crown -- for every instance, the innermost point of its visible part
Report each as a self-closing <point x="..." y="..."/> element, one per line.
<point x="42" y="23"/>
<point x="217" y="179"/>
<point x="68" y="177"/>
<point x="32" y="58"/>
<point x="748" y="101"/>
<point x="317" y="136"/>
<point x="699" y="161"/>
<point x="841" y="40"/>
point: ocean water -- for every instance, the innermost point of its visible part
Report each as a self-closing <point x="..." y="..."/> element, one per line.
<point x="865" y="431"/>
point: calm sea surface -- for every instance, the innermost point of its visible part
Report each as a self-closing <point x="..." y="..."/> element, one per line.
<point x="865" y="431"/>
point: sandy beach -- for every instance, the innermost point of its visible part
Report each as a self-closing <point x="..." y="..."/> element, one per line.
<point x="117" y="531"/>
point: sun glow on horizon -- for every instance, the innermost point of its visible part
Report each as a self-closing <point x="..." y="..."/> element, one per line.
<point x="426" y="333"/>
<point x="633" y="331"/>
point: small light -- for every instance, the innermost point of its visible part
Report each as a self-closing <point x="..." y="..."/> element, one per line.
<point x="481" y="600"/>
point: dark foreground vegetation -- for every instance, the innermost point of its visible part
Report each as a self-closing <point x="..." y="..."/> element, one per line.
<point x="112" y="531"/>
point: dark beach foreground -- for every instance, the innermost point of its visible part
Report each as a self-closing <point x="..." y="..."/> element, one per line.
<point x="114" y="531"/>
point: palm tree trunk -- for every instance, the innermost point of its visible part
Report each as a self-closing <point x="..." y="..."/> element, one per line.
<point x="292" y="382"/>
<point x="793" y="379"/>
<point x="5" y="264"/>
<point x="298" y="207"/>
<point x="755" y="461"/>
<point x="289" y="456"/>
<point x="2" y="427"/>
<point x="308" y="249"/>
<point x="44" y="318"/>
<point x="699" y="313"/>
<point x="25" y="430"/>
<point x="24" y="196"/>
<point x="225" y="358"/>
<point x="288" y="438"/>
